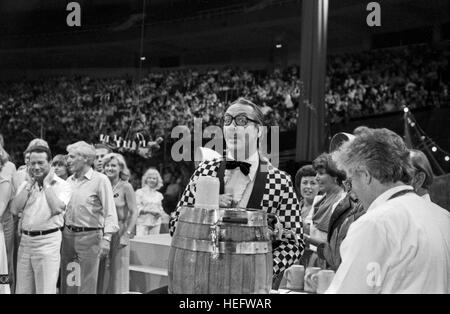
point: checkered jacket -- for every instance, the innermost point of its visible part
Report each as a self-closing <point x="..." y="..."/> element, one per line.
<point x="279" y="198"/>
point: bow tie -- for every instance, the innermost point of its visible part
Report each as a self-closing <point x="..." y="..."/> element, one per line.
<point x="243" y="166"/>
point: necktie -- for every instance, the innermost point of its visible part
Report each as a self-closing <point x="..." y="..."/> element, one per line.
<point x="243" y="166"/>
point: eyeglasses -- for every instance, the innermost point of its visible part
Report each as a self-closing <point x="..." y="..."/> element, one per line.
<point x="240" y="119"/>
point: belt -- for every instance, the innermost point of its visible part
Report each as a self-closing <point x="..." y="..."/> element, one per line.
<point x="82" y="229"/>
<point x="39" y="233"/>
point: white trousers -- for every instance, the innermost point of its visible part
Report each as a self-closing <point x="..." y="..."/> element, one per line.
<point x="4" y="285"/>
<point x="38" y="264"/>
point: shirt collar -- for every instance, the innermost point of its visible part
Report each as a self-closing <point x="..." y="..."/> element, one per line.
<point x="88" y="175"/>
<point x="384" y="197"/>
<point x="253" y="160"/>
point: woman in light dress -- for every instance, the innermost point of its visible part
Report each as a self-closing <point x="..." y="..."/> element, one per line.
<point x="149" y="204"/>
<point x="117" y="279"/>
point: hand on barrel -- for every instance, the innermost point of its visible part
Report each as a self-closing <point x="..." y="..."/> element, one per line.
<point x="225" y="200"/>
<point x="275" y="234"/>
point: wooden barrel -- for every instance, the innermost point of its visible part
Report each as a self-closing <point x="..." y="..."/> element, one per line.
<point x="243" y="262"/>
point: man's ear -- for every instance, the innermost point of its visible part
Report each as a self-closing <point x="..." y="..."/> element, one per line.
<point x="420" y="179"/>
<point x="366" y="177"/>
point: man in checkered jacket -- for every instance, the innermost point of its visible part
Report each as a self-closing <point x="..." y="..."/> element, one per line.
<point x="253" y="183"/>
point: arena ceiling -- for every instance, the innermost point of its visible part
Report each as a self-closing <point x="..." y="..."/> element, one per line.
<point x="199" y="28"/>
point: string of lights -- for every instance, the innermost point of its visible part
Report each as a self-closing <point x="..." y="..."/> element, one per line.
<point x="134" y="142"/>
<point x="425" y="140"/>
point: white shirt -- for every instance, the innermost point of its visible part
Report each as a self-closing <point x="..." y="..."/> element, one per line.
<point x="37" y="213"/>
<point x="240" y="185"/>
<point x="400" y="245"/>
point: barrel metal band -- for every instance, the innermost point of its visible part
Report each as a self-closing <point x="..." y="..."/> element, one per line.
<point x="210" y="217"/>
<point x="224" y="247"/>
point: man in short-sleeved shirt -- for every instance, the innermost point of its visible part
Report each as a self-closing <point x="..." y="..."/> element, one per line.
<point x="42" y="199"/>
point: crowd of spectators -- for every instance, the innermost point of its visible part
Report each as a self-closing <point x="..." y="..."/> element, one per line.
<point x="361" y="84"/>
<point x="380" y="81"/>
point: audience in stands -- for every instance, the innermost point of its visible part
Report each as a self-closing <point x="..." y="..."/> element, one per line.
<point x="358" y="84"/>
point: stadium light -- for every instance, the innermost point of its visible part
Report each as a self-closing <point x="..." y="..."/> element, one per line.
<point x="406" y="109"/>
<point x="434" y="149"/>
<point x="278" y="46"/>
<point x="447" y="158"/>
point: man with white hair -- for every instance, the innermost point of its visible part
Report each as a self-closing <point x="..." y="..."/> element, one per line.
<point x="90" y="221"/>
<point x="402" y="243"/>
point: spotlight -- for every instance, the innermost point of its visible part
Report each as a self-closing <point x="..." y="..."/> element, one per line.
<point x="406" y="109"/>
<point x="434" y="149"/>
<point x="447" y="158"/>
<point x="278" y="46"/>
<point x="142" y="58"/>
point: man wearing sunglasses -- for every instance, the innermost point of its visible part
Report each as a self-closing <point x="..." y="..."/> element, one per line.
<point x="249" y="181"/>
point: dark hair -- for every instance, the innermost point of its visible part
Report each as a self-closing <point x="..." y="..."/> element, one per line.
<point x="305" y="171"/>
<point x="41" y="149"/>
<point x="420" y="163"/>
<point x="324" y="161"/>
<point x="60" y="159"/>
<point x="245" y="102"/>
<point x="99" y="146"/>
